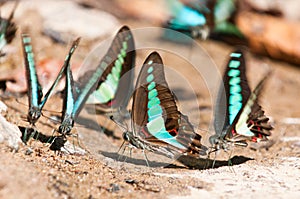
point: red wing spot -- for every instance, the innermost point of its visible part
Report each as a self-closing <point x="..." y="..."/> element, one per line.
<point x="233" y="132"/>
<point x="173" y="132"/>
<point x="111" y="103"/>
<point x="145" y="132"/>
<point x="254" y="139"/>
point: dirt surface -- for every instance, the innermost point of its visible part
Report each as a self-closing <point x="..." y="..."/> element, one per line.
<point x="35" y="171"/>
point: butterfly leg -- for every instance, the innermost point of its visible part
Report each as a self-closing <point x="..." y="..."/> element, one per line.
<point x="24" y="137"/>
<point x="213" y="150"/>
<point x="124" y="148"/>
<point x="146" y="158"/>
<point x="230" y="164"/>
<point x="29" y="133"/>
<point x="51" y="138"/>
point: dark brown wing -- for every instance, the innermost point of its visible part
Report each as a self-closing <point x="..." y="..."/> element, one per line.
<point x="155" y="115"/>
<point x="120" y="54"/>
<point x="251" y="123"/>
<point x="230" y="100"/>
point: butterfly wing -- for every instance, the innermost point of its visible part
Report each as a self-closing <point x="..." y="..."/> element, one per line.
<point x="7" y="29"/>
<point x="155" y="116"/>
<point x="70" y="95"/>
<point x="185" y="15"/>
<point x="116" y="83"/>
<point x="34" y="90"/>
<point x="233" y="93"/>
<point x="251" y="123"/>
<point x="61" y="72"/>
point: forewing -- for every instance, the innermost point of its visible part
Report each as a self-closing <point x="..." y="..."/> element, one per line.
<point x="233" y="93"/>
<point x="34" y="89"/>
<point x="154" y="112"/>
<point x="116" y="83"/>
<point x="61" y="72"/>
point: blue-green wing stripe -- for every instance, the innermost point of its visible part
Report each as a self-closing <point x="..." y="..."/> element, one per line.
<point x="34" y="88"/>
<point x="61" y="72"/>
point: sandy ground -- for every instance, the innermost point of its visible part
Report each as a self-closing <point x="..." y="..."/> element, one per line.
<point x="273" y="172"/>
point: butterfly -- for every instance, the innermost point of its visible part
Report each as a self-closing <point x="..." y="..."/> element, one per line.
<point x="34" y="91"/>
<point x="188" y="19"/>
<point x="205" y="18"/>
<point x="7" y="29"/>
<point x="244" y="118"/>
<point x="103" y="85"/>
<point x="157" y="124"/>
<point x="116" y="83"/>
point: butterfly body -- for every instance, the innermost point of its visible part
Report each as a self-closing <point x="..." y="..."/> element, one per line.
<point x="34" y="91"/>
<point x="102" y="88"/>
<point x="157" y="124"/>
<point x="244" y="119"/>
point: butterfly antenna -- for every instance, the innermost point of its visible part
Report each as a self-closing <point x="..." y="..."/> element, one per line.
<point x="123" y="126"/>
<point x="17" y="100"/>
<point x="13" y="10"/>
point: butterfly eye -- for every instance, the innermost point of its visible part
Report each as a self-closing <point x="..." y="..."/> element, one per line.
<point x="126" y="137"/>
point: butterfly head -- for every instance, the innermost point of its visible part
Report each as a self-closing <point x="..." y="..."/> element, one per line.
<point x="66" y="126"/>
<point x="34" y="113"/>
<point x="126" y="136"/>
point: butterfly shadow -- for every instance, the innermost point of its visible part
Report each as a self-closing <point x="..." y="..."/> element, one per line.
<point x="142" y="162"/>
<point x="91" y="124"/>
<point x="205" y="163"/>
<point x="56" y="142"/>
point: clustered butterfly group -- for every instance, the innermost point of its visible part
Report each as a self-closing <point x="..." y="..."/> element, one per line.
<point x="157" y="124"/>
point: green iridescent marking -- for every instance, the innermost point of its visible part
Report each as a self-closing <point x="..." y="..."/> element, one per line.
<point x="234" y="64"/>
<point x="150" y="69"/>
<point x="154" y="112"/>
<point x="235" y="97"/>
<point x="150" y="62"/>
<point x="26" y="40"/>
<point x="98" y="97"/>
<point x="155" y="125"/>
<point x="111" y="82"/>
<point x="150" y="78"/>
<point x="234" y="81"/>
<point x="235" y="89"/>
<point x="237" y="55"/>
<point x="153" y="93"/>
<point x="28" y="48"/>
<point x="165" y="136"/>
<point x="115" y="73"/>
<point x="121" y="59"/>
<point x="124" y="45"/>
<point x="151" y="86"/>
<point x="235" y="107"/>
<point x="234" y="73"/>
<point x="123" y="52"/>
<point x="118" y="66"/>
<point x="233" y="111"/>
<point x="105" y="92"/>
<point x="152" y="102"/>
